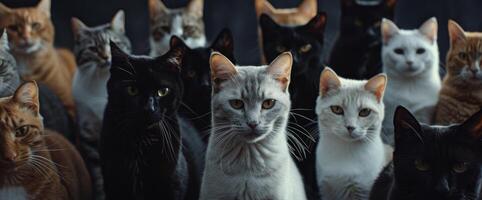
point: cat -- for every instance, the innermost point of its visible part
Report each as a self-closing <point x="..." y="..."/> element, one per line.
<point x="248" y="156"/>
<point x="140" y="142"/>
<point x="31" y="34"/>
<point x="350" y="151"/>
<point x="411" y="62"/>
<point x="36" y="163"/>
<point x="306" y="44"/>
<point x="298" y="16"/>
<point x="196" y="79"/>
<point x="461" y="93"/>
<point x="9" y="78"/>
<point x="357" y="51"/>
<point x="420" y="171"/>
<point x="186" y="23"/>
<point x="89" y="88"/>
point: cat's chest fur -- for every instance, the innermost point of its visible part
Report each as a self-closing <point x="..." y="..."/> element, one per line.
<point x="91" y="82"/>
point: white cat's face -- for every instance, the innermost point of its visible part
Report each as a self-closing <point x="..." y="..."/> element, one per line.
<point x="409" y="53"/>
<point x="352" y="110"/>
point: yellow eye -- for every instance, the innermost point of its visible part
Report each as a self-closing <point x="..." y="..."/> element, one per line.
<point x="268" y="104"/>
<point x="337" y="110"/>
<point x="21" y="131"/>
<point x="305" y="48"/>
<point x="364" y="112"/>
<point x="236" y="103"/>
<point x="280" y="49"/>
<point x="421" y="165"/>
<point x="132" y="91"/>
<point x="460" y="167"/>
<point x="163" y="92"/>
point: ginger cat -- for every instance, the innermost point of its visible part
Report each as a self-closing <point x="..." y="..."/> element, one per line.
<point x="285" y="16"/>
<point x="36" y="163"/>
<point x="31" y="36"/>
<point x="461" y="94"/>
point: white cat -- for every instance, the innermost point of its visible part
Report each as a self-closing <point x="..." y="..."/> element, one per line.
<point x="248" y="155"/>
<point x="350" y="152"/>
<point x="411" y="62"/>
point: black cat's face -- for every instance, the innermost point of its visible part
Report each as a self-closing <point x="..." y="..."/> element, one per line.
<point x="438" y="162"/>
<point x="364" y="16"/>
<point x="145" y="88"/>
<point x="305" y="42"/>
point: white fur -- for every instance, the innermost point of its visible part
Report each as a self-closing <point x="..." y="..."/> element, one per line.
<point x="13" y="193"/>
<point x="347" y="166"/>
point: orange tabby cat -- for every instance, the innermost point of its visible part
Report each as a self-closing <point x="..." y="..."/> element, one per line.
<point x="35" y="163"/>
<point x="285" y="16"/>
<point x="31" y="35"/>
<point x="461" y="94"/>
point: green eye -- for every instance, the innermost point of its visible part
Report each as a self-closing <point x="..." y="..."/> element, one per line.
<point x="268" y="104"/>
<point x="163" y="92"/>
<point x="236" y="104"/>
<point x="421" y="165"/>
<point x="460" y="167"/>
<point x="305" y="48"/>
<point x="337" y="110"/>
<point x="280" y="49"/>
<point x="132" y="91"/>
<point x="364" y="112"/>
<point x="21" y="131"/>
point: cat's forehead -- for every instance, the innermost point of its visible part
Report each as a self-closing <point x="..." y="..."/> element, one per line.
<point x="23" y="15"/>
<point x="409" y="38"/>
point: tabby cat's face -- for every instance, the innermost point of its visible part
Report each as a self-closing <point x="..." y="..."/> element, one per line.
<point x="364" y="17"/>
<point x="464" y="58"/>
<point x="29" y="29"/>
<point x="20" y="129"/>
<point x="186" y="23"/>
<point x="437" y="162"/>
<point x="9" y="78"/>
<point x="304" y="42"/>
<point x="144" y="88"/>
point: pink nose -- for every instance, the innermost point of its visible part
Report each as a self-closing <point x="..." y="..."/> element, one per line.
<point x="252" y="125"/>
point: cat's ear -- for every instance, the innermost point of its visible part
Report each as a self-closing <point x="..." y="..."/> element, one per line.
<point x="44" y="6"/>
<point x="456" y="33"/>
<point x="118" y="55"/>
<point x="224" y="44"/>
<point x="27" y="95"/>
<point x="389" y="29"/>
<point x="406" y="125"/>
<point x="222" y="69"/>
<point x="377" y="85"/>
<point x="175" y="42"/>
<point x="175" y="54"/>
<point x="268" y="25"/>
<point x="328" y="81"/>
<point x="280" y="69"/>
<point x="316" y="26"/>
<point x="77" y="27"/>
<point x="156" y="8"/>
<point x="4" y="40"/>
<point x="429" y="29"/>
<point x="118" y="22"/>
<point x="4" y="10"/>
<point x="308" y="7"/>
<point x="473" y="125"/>
<point x="196" y="7"/>
<point x="263" y="6"/>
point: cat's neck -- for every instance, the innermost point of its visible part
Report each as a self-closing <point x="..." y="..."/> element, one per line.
<point x="466" y="92"/>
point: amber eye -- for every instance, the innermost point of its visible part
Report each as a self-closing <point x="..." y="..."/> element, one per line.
<point x="305" y="48"/>
<point x="236" y="104"/>
<point x="132" y="91"/>
<point x="364" y="112"/>
<point x="337" y="110"/>
<point x="460" y="167"/>
<point x="463" y="55"/>
<point x="268" y="104"/>
<point x="163" y="92"/>
<point x="21" y="131"/>
<point x="280" y="49"/>
<point x="399" y="51"/>
<point x="35" y="25"/>
<point x="421" y="165"/>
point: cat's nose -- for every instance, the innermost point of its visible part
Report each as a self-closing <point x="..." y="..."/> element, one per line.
<point x="474" y="70"/>
<point x="252" y="125"/>
<point x="409" y="63"/>
<point x="350" y="129"/>
<point x="442" y="186"/>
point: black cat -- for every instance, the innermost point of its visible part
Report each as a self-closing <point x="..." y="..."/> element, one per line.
<point x="197" y="81"/>
<point x="432" y="162"/>
<point x="306" y="45"/>
<point x="141" y="154"/>
<point x="357" y="51"/>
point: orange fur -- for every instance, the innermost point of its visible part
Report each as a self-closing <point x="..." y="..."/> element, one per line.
<point x="48" y="65"/>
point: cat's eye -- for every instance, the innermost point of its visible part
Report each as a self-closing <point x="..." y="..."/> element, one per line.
<point x="268" y="104"/>
<point x="398" y="51"/>
<point x="364" y="112"/>
<point x="165" y="29"/>
<point x="463" y="55"/>
<point x="132" y="91"/>
<point x="236" y="103"/>
<point x="163" y="92"/>
<point x="337" y="110"/>
<point x="13" y="27"/>
<point x="157" y="35"/>
<point x="305" y="48"/>
<point x="421" y="165"/>
<point x="460" y="167"/>
<point x="21" y="131"/>
<point x="188" y="30"/>
<point x="280" y="49"/>
<point x="420" y="50"/>
<point x="35" y="25"/>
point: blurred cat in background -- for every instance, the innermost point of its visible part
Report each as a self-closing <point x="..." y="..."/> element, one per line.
<point x="186" y="23"/>
<point x="461" y="94"/>
<point x="9" y="78"/>
<point x="31" y="35"/>
<point x="411" y="62"/>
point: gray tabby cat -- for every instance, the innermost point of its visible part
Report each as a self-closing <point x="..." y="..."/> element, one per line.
<point x="9" y="78"/>
<point x="92" y="50"/>
<point x="186" y="23"/>
<point x="248" y="156"/>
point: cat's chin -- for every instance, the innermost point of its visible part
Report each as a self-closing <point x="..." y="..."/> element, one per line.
<point x="254" y="137"/>
<point x="348" y="138"/>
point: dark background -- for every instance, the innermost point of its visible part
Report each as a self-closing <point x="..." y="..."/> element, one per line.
<point x="239" y="16"/>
